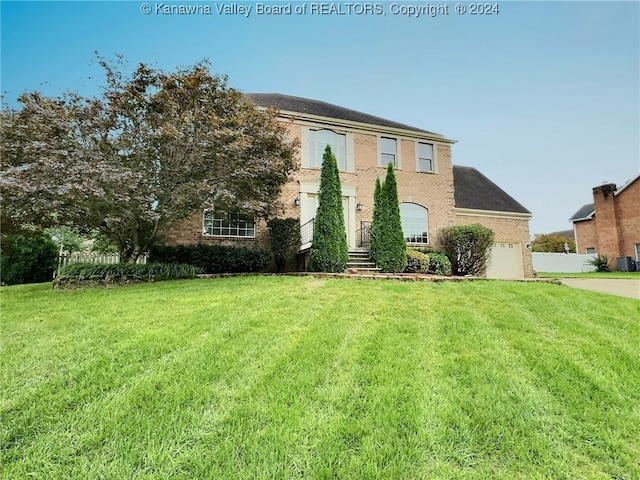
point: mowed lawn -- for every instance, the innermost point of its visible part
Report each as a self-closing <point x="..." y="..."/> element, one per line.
<point x="299" y="377"/>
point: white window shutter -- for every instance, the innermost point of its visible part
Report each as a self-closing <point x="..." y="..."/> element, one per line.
<point x="351" y="166"/>
<point x="304" y="150"/>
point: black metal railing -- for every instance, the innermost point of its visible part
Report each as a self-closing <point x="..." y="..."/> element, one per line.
<point x="306" y="232"/>
<point x="364" y="234"/>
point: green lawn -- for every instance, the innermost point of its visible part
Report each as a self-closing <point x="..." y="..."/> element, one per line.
<point x="298" y="377"/>
<point x="623" y="275"/>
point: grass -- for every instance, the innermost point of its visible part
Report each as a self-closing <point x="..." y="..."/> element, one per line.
<point x="298" y="377"/>
<point x="620" y="275"/>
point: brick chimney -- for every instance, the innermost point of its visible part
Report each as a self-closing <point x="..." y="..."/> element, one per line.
<point x="606" y="217"/>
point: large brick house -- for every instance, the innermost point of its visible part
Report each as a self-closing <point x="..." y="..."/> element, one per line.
<point x="432" y="192"/>
<point x="610" y="226"/>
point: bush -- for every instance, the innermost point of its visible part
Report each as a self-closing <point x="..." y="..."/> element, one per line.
<point x="27" y="258"/>
<point x="213" y="258"/>
<point x="285" y="239"/>
<point x="467" y="247"/>
<point x="417" y="262"/>
<point x="122" y="272"/>
<point x="439" y="264"/>
<point x="601" y="262"/>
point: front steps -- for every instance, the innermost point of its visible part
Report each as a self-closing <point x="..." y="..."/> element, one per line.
<point x="361" y="261"/>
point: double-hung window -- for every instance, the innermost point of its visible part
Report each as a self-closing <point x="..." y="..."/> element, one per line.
<point x="388" y="152"/>
<point x="223" y="224"/>
<point x="425" y="157"/>
<point x="318" y="141"/>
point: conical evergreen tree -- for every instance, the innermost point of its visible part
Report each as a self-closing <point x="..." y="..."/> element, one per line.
<point x="391" y="245"/>
<point x="377" y="224"/>
<point x="329" y="248"/>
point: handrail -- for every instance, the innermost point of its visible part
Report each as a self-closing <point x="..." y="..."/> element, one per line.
<point x="306" y="232"/>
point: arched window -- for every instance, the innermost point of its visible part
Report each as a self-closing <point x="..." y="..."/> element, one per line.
<point x="318" y="141"/>
<point x="415" y="223"/>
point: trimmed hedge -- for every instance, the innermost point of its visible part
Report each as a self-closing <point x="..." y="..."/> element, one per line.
<point x="212" y="259"/>
<point x="468" y="247"/>
<point x="27" y="258"/>
<point x="285" y="240"/>
<point x="123" y="272"/>
<point x="417" y="262"/>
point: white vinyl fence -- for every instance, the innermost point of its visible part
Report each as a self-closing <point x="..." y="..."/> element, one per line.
<point x="562" y="262"/>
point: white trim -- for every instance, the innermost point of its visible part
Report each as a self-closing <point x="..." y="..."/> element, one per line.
<point x="213" y="235"/>
<point x="398" y="162"/>
<point x="470" y="212"/>
<point x="304" y="118"/>
<point x="434" y="157"/>
<point x="348" y="191"/>
<point x="350" y="153"/>
<point x="623" y="188"/>
<point x="304" y="148"/>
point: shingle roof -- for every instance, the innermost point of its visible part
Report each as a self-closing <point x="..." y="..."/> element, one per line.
<point x="323" y="109"/>
<point x="585" y="212"/>
<point x="565" y="233"/>
<point x="475" y="191"/>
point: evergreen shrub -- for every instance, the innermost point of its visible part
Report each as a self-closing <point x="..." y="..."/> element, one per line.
<point x="27" y="258"/>
<point x="213" y="259"/>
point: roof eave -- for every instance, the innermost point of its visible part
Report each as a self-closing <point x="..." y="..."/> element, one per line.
<point x="492" y="213"/>
<point x="362" y="126"/>
<point x="589" y="217"/>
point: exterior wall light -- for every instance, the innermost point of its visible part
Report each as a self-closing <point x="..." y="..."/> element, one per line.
<point x="296" y="202"/>
<point x="359" y="206"/>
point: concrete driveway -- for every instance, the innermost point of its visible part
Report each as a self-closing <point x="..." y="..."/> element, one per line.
<point x="614" y="286"/>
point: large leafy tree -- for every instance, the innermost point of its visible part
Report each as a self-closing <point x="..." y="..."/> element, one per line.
<point x="154" y="147"/>
<point x="552" y="243"/>
<point x="329" y="248"/>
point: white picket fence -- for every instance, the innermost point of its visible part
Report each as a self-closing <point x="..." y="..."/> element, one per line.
<point x="562" y="262"/>
<point x="67" y="258"/>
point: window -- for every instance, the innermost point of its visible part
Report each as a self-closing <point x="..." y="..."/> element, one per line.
<point x="590" y="250"/>
<point x="425" y="157"/>
<point x="221" y="224"/>
<point x="388" y="151"/>
<point x="318" y="141"/>
<point x="415" y="223"/>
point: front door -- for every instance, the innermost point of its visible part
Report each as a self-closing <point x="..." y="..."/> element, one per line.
<point x="310" y="207"/>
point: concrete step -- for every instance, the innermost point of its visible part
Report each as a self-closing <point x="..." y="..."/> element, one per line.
<point x="361" y="265"/>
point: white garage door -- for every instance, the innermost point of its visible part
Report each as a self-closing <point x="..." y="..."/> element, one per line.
<point x="506" y="261"/>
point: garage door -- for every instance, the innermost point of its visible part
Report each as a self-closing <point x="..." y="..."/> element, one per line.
<point x="506" y="261"/>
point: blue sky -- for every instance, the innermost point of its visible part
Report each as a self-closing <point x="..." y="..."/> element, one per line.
<point x="543" y="98"/>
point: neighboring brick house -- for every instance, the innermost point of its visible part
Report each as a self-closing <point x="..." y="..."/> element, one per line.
<point x="610" y="226"/>
<point x="432" y="192"/>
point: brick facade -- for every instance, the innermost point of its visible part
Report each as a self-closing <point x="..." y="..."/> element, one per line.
<point x="434" y="191"/>
<point x="506" y="229"/>
<point x="613" y="228"/>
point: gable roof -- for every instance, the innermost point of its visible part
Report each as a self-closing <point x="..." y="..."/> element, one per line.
<point x="621" y="189"/>
<point x="585" y="213"/>
<point x="289" y="103"/>
<point x="565" y="233"/>
<point x="475" y="191"/>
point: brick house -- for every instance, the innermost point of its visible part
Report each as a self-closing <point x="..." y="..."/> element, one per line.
<point x="432" y="192"/>
<point x="610" y="226"/>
